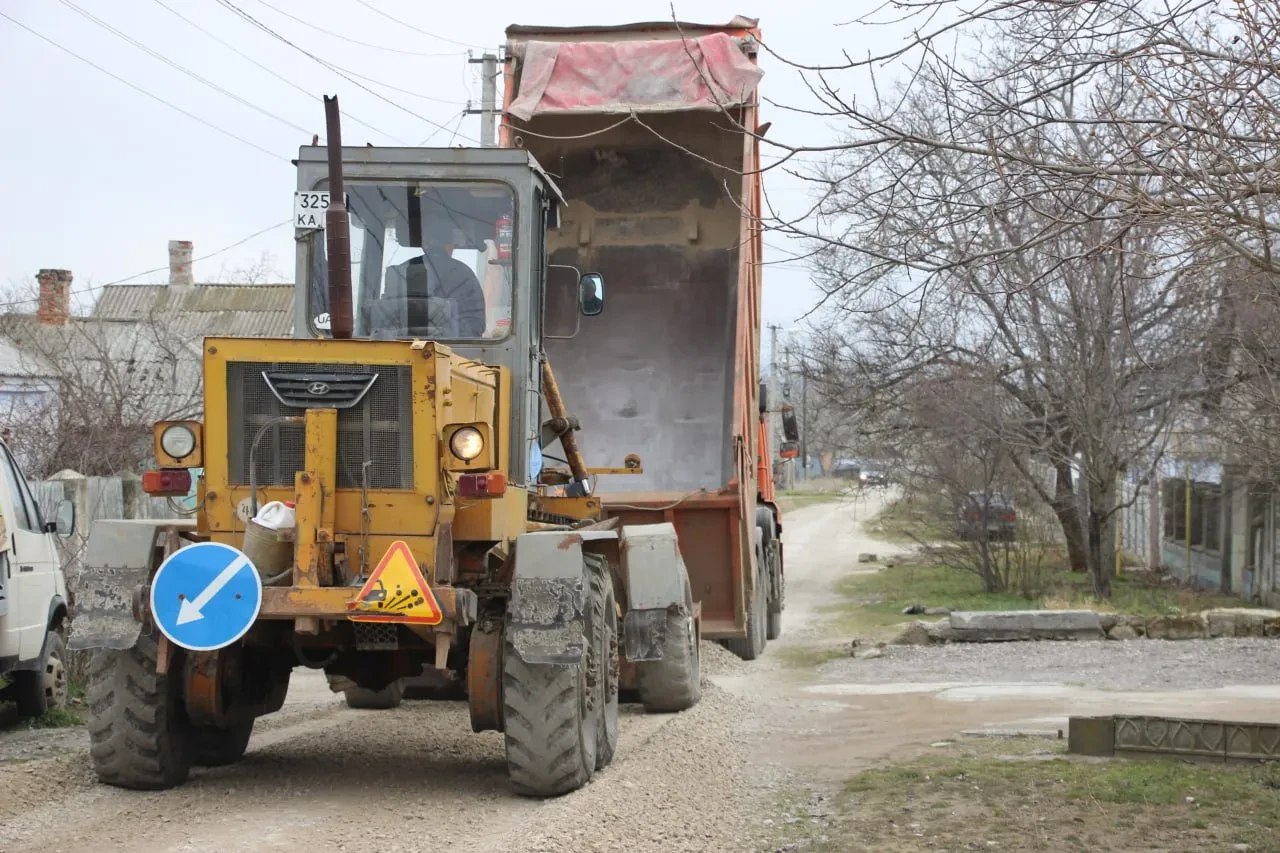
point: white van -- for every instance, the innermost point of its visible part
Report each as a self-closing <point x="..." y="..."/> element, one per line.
<point x="33" y="596"/>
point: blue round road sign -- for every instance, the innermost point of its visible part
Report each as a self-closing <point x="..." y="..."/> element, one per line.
<point x="205" y="596"/>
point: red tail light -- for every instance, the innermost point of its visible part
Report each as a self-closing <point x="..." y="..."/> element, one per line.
<point x="1009" y="517"/>
<point x="167" y="482"/>
<point x="489" y="485"/>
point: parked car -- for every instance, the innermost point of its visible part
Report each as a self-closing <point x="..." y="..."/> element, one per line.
<point x="989" y="514"/>
<point x="33" y="596"/>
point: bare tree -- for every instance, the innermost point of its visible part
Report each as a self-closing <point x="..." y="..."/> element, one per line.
<point x="98" y="388"/>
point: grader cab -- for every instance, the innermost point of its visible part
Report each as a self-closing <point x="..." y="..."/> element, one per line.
<point x="427" y="535"/>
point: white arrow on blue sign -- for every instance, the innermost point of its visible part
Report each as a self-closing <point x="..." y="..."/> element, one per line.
<point x="205" y="596"/>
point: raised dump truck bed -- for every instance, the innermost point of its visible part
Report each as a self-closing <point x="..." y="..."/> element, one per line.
<point x="641" y="127"/>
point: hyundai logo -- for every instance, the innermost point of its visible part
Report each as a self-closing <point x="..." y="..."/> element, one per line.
<point x="318" y="389"/>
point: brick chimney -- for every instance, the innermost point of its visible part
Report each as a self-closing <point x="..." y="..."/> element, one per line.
<point x="54" y="305"/>
<point x="180" y="274"/>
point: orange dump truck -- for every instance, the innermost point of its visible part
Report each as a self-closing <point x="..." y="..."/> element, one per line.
<point x="644" y="129"/>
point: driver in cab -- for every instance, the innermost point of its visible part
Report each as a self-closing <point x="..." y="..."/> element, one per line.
<point x="436" y="273"/>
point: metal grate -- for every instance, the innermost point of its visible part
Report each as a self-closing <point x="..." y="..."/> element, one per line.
<point x="378" y="429"/>
<point x="376" y="636"/>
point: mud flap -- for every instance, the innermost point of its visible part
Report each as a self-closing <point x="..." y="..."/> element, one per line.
<point x="655" y="576"/>
<point x="117" y="564"/>
<point x="546" y="613"/>
<point x="644" y="632"/>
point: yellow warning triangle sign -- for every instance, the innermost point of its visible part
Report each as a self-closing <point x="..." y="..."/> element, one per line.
<point x="396" y="592"/>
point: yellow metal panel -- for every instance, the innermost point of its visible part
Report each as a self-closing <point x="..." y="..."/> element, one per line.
<point x="491" y="519"/>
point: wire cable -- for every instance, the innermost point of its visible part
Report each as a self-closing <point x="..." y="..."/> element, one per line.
<point x="187" y="71"/>
<point x="127" y="279"/>
<point x="371" y="7"/>
<point x="236" y="10"/>
<point x="229" y="46"/>
<point x="307" y="23"/>
<point x="143" y="91"/>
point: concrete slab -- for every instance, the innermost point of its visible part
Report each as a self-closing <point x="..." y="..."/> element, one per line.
<point x="999" y="626"/>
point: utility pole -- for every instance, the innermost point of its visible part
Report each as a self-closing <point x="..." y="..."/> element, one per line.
<point x="488" y="111"/>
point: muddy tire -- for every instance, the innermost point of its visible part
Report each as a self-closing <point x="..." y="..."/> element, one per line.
<point x="603" y="628"/>
<point x="375" y="700"/>
<point x="139" y="737"/>
<point x="214" y="747"/>
<point x="43" y="688"/>
<point x="772" y="570"/>
<point x="751" y="646"/>
<point x="675" y="682"/>
<point x="551" y="714"/>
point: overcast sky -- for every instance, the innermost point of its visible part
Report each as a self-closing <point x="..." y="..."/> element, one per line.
<point x="99" y="176"/>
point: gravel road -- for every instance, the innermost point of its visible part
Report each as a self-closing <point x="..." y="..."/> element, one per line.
<point x="320" y="776"/>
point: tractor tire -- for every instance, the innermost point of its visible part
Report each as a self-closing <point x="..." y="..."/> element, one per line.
<point x="603" y="630"/>
<point x="214" y="747"/>
<point x="45" y="687"/>
<point x="375" y="700"/>
<point x="675" y="682"/>
<point x="551" y="712"/>
<point x="752" y="646"/>
<point x="139" y="737"/>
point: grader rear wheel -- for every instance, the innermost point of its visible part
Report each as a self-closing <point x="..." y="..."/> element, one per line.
<point x="675" y="682"/>
<point x="215" y="747"/>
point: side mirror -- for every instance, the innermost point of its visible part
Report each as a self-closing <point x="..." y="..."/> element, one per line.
<point x="591" y="294"/>
<point x="764" y="397"/>
<point x="65" y="520"/>
<point x="790" y="430"/>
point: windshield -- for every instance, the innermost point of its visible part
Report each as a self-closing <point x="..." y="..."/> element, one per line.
<point x="428" y="260"/>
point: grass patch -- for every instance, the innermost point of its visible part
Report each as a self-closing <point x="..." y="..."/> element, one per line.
<point x="1027" y="794"/>
<point x="912" y="519"/>
<point x="56" y="718"/>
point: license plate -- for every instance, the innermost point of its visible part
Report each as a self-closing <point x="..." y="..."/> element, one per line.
<point x="309" y="209"/>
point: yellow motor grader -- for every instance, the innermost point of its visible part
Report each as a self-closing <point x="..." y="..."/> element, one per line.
<point x="375" y="500"/>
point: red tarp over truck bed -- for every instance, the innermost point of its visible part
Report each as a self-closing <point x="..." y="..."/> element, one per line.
<point x="707" y="72"/>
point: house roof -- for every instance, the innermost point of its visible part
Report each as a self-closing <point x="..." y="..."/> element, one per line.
<point x="146" y="338"/>
<point x="251" y="310"/>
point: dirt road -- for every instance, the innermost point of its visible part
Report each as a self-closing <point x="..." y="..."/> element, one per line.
<point x="320" y="776"/>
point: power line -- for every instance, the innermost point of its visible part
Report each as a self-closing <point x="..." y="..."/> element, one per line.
<point x="395" y="88"/>
<point x="126" y="279"/>
<point x="187" y="71"/>
<point x="229" y="46"/>
<point x="143" y="91"/>
<point x="236" y="10"/>
<point x="307" y="23"/>
<point x="461" y="116"/>
<point x="415" y="29"/>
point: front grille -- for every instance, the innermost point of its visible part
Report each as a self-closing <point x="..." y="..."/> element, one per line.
<point x="375" y="427"/>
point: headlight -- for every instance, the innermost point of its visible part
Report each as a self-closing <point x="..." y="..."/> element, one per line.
<point x="467" y="443"/>
<point x="178" y="441"/>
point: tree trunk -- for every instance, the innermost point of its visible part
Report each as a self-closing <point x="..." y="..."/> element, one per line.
<point x="1067" y="510"/>
<point x="1102" y="540"/>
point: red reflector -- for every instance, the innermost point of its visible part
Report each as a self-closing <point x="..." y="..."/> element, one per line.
<point x="167" y="482"/>
<point x="482" y="485"/>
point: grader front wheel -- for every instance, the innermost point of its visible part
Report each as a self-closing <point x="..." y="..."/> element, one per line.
<point x="558" y="716"/>
<point x="138" y="731"/>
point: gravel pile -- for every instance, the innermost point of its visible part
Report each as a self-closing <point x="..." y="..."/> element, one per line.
<point x="1145" y="665"/>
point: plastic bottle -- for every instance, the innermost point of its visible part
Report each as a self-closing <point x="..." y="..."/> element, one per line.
<point x="276" y="515"/>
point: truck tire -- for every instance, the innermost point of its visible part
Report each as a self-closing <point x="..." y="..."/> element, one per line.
<point x="772" y="570"/>
<point x="603" y="628"/>
<point x="675" y="682"/>
<point x="139" y="737"/>
<point x="214" y="747"/>
<point x="44" y="687"/>
<point x="375" y="700"/>
<point x="550" y="712"/>
<point x="752" y="646"/>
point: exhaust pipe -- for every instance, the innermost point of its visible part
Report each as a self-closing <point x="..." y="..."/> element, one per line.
<point x="337" y="229"/>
